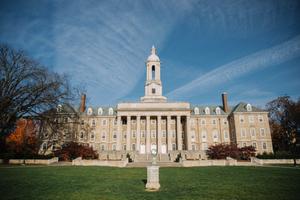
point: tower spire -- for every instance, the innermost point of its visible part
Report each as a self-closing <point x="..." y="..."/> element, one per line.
<point x="153" y="50"/>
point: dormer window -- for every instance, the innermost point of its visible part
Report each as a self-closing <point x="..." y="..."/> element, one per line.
<point x="218" y="111"/>
<point x="100" y="111"/>
<point x="110" y="111"/>
<point x="196" y="111"/>
<point x="207" y="111"/>
<point x="59" y="108"/>
<point x="249" y="107"/>
<point x="90" y="111"/>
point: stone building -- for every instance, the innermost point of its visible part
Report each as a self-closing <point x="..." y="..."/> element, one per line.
<point x="156" y="123"/>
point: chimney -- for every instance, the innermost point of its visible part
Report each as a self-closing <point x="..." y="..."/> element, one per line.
<point x="225" y="102"/>
<point x="82" y="103"/>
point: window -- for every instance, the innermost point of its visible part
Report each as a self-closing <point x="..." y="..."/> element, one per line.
<point x="104" y="122"/>
<point x="66" y="120"/>
<point x="196" y="111"/>
<point x="249" y="107"/>
<point x="163" y="133"/>
<point x="252" y="132"/>
<point x="203" y="121"/>
<point x="243" y="133"/>
<point x="242" y="120"/>
<point x="251" y="119"/>
<point x="163" y="121"/>
<point x="142" y="121"/>
<point x="218" y="111"/>
<point x="204" y="146"/>
<point x="143" y="134"/>
<point x="93" y="122"/>
<point x="110" y="111"/>
<point x="225" y="122"/>
<point x="153" y="134"/>
<point x="124" y="147"/>
<point x="100" y="111"/>
<point x="115" y="122"/>
<point x="262" y="132"/>
<point x="193" y="147"/>
<point x="203" y="136"/>
<point x="213" y="121"/>
<point x="133" y="147"/>
<point x="153" y="90"/>
<point x="152" y="121"/>
<point x="115" y="135"/>
<point x="92" y="136"/>
<point x="173" y="134"/>
<point x="153" y="72"/>
<point x="215" y="135"/>
<point x="102" y="147"/>
<point x="124" y="135"/>
<point x="90" y="111"/>
<point x="103" y="136"/>
<point x="226" y="135"/>
<point x="260" y="118"/>
<point x="264" y="146"/>
<point x="114" y="147"/>
<point x="133" y="121"/>
<point x="254" y="144"/>
<point x="207" y="111"/>
<point x="81" y="135"/>
<point x="173" y="146"/>
<point x="82" y="122"/>
<point x="59" y="108"/>
<point x="193" y="136"/>
<point x="133" y="134"/>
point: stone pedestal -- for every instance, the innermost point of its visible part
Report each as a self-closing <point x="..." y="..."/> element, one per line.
<point x="152" y="178"/>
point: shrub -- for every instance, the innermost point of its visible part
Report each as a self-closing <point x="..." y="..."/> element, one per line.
<point x="277" y="155"/>
<point x="221" y="151"/>
<point x="74" y="150"/>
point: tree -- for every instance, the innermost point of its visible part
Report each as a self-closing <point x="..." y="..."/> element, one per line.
<point x="285" y="123"/>
<point x="26" y="89"/>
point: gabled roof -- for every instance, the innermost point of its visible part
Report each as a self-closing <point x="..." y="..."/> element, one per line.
<point x="242" y="107"/>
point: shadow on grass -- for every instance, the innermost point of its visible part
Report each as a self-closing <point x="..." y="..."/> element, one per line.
<point x="144" y="181"/>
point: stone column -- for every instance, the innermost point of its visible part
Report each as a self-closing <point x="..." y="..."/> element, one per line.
<point x="179" y="133"/>
<point x="169" y="134"/>
<point x="138" y="133"/>
<point x="158" y="134"/>
<point x="148" y="138"/>
<point x="119" y="133"/>
<point x="188" y="133"/>
<point x="128" y="138"/>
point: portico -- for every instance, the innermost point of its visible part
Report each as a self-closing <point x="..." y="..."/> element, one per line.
<point x="162" y="126"/>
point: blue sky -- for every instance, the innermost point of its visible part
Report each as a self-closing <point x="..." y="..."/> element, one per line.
<point x="250" y="49"/>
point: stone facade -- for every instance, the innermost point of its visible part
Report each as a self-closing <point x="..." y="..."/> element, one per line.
<point x="170" y="127"/>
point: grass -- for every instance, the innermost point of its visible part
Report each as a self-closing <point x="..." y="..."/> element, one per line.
<point x="128" y="183"/>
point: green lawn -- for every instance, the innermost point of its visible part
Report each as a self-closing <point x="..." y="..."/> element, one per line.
<point x="128" y="183"/>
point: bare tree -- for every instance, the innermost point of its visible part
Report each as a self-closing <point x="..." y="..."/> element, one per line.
<point x="27" y="89"/>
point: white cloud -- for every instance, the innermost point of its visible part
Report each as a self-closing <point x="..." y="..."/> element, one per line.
<point x="237" y="68"/>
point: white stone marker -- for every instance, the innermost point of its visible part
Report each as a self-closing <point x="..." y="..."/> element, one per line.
<point x="153" y="174"/>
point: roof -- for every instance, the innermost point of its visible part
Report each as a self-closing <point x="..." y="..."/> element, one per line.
<point x="242" y="107"/>
<point x="105" y="110"/>
<point x="211" y="108"/>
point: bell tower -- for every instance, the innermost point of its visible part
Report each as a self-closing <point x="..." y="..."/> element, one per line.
<point x="153" y="85"/>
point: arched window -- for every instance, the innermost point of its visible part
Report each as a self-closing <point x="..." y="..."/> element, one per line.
<point x="153" y="72"/>
<point x="90" y="111"/>
<point x="215" y="135"/>
<point x="218" y="111"/>
<point x="249" y="107"/>
<point x="110" y="111"/>
<point x="207" y="111"/>
<point x="100" y="111"/>
<point x="196" y="111"/>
